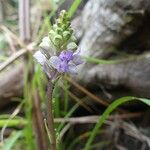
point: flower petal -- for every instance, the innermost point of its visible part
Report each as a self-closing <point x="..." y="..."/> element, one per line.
<point x="72" y="68"/>
<point x="77" y="52"/>
<point x="77" y="59"/>
<point x="66" y="55"/>
<point x="63" y="67"/>
<point x="40" y="57"/>
<point x="54" y="61"/>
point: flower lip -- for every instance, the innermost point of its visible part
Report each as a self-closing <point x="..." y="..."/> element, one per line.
<point x="66" y="55"/>
<point x="66" y="62"/>
<point x="77" y="59"/>
<point x="63" y="67"/>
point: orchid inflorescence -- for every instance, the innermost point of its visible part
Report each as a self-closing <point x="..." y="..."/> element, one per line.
<point x="58" y="52"/>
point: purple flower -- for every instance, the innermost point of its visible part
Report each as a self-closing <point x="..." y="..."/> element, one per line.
<point x="66" y="62"/>
<point x="66" y="55"/>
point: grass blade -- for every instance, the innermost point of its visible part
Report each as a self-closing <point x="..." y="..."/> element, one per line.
<point x="9" y="143"/>
<point x="100" y="61"/>
<point x="73" y="7"/>
<point x="146" y="101"/>
<point x="106" y="114"/>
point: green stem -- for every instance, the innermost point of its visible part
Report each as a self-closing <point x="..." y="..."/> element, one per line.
<point x="12" y="123"/>
<point x="50" y="117"/>
<point x="66" y="95"/>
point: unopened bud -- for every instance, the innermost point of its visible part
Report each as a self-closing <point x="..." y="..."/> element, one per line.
<point x="52" y="33"/>
<point x="72" y="46"/>
<point x="66" y="35"/>
<point x="57" y="39"/>
<point x="59" y="30"/>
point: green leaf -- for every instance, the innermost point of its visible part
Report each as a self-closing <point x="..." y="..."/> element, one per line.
<point x="9" y="143"/>
<point x="100" y="61"/>
<point x="146" y="101"/>
<point x="70" y="112"/>
<point x="106" y="114"/>
<point x="74" y="7"/>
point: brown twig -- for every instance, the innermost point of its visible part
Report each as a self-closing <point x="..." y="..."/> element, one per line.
<point x="94" y="119"/>
<point x="76" y="99"/>
<point x="11" y="43"/>
<point x="16" y="38"/>
<point x="24" y="21"/>
<point x="79" y="101"/>
<point x="50" y="118"/>
<point x="91" y="95"/>
<point x="24" y="27"/>
<point x="64" y="130"/>
<point x="1" y="11"/>
<point x="97" y="99"/>
<point x="15" y="56"/>
<point x="134" y="132"/>
<point x="42" y="142"/>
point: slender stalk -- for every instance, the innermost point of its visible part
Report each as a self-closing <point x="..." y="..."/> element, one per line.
<point x="41" y="139"/>
<point x="50" y="118"/>
<point x="24" y="21"/>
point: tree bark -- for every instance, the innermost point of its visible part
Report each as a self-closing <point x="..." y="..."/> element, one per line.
<point x="11" y="84"/>
<point x="107" y="28"/>
<point x="103" y="26"/>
